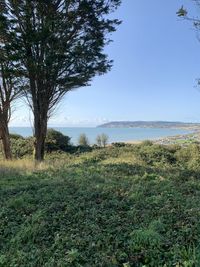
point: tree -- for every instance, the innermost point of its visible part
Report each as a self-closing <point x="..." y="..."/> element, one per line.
<point x="60" y="47"/>
<point x="98" y="140"/>
<point x="5" y="102"/>
<point x="183" y="13"/>
<point x="10" y="88"/>
<point x="83" y="140"/>
<point x="104" y="140"/>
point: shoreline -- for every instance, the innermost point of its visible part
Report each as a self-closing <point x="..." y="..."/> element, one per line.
<point x="190" y="135"/>
<point x="183" y="139"/>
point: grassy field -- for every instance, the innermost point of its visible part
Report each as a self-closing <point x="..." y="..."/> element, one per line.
<point x="119" y="206"/>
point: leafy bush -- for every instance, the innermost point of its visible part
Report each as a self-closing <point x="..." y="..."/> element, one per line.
<point x="152" y="154"/>
<point x="118" y="144"/>
<point x="147" y="143"/>
<point x="22" y="146"/>
<point x="190" y="156"/>
<point x="16" y="136"/>
<point x="55" y="141"/>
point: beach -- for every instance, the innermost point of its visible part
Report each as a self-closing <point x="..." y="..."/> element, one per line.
<point x="180" y="139"/>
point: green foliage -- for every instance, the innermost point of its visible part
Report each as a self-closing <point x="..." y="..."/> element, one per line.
<point x="98" y="140"/>
<point x="190" y="156"/>
<point x="182" y="12"/>
<point x="21" y="146"/>
<point x="83" y="140"/>
<point x="108" y="207"/>
<point x="155" y="154"/>
<point x="118" y="144"/>
<point x="147" y="143"/>
<point x="56" y="141"/>
<point x="16" y="136"/>
<point x="102" y="140"/>
<point x="58" y="46"/>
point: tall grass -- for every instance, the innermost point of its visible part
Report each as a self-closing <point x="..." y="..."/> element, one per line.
<point x="21" y="165"/>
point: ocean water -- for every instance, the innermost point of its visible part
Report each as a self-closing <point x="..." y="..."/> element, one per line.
<point x="114" y="134"/>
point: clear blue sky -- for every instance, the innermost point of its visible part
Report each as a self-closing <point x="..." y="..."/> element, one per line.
<point x="156" y="63"/>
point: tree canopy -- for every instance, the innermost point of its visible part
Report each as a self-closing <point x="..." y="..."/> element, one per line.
<point x="59" y="46"/>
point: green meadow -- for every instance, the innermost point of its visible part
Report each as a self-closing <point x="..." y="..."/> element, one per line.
<point x="119" y="206"/>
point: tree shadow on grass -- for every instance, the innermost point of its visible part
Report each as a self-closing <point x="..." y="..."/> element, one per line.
<point x="71" y="211"/>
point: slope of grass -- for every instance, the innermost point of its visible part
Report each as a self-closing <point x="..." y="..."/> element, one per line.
<point x="129" y="206"/>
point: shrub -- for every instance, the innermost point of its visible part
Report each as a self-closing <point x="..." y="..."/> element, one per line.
<point x="22" y="146"/>
<point x="16" y="136"/>
<point x="119" y="144"/>
<point x="55" y="141"/>
<point x="147" y="143"/>
<point x="153" y="154"/>
<point x="189" y="156"/>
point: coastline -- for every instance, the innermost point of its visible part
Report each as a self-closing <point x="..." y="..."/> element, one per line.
<point x="183" y="139"/>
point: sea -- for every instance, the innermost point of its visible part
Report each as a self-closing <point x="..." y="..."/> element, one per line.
<point x="114" y="134"/>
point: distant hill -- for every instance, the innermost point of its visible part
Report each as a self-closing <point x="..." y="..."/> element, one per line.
<point x="150" y="124"/>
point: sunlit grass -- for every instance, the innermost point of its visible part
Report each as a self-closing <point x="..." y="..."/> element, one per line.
<point x="21" y="165"/>
<point x="125" y="157"/>
<point x="27" y="165"/>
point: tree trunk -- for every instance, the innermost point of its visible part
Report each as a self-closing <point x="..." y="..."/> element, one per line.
<point x="4" y="134"/>
<point x="40" y="123"/>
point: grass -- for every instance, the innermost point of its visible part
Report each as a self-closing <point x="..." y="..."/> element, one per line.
<point x="130" y="206"/>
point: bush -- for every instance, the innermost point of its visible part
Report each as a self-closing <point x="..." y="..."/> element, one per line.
<point x="56" y="141"/>
<point x="16" y="136"/>
<point x="189" y="156"/>
<point x="147" y="143"/>
<point x="22" y="146"/>
<point x="119" y="144"/>
<point x="154" y="154"/>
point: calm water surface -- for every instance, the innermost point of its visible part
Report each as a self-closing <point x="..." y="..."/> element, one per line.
<point x="114" y="134"/>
